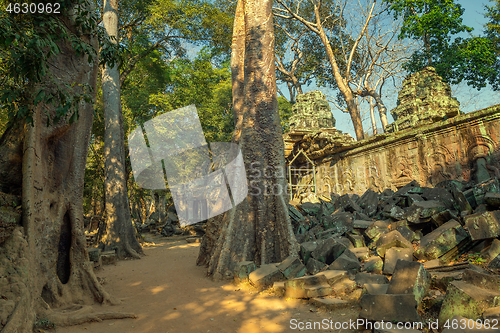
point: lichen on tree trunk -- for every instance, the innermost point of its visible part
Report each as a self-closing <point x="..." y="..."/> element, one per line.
<point x="259" y="228"/>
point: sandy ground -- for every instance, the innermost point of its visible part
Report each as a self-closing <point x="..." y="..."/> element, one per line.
<point x="170" y="294"/>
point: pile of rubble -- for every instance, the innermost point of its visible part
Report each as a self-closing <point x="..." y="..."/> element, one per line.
<point x="393" y="253"/>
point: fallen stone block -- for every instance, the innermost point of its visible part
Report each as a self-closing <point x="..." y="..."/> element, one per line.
<point x="362" y="224"/>
<point x="292" y="268"/>
<point x="421" y="212"/>
<point x="443" y="217"/>
<point x="483" y="225"/>
<point x="495" y="263"/>
<point x="392" y="255"/>
<point x="410" y="277"/>
<point x="492" y="313"/>
<point x="492" y="199"/>
<point x="340" y="222"/>
<point x="308" y="287"/>
<point x="328" y="250"/>
<point x="306" y="249"/>
<point x="314" y="266"/>
<point x="345" y="286"/>
<point x="441" y="280"/>
<point x="310" y="208"/>
<point x="489" y="186"/>
<point x="441" y="240"/>
<point x="366" y="278"/>
<point x="375" y="289"/>
<point x="482" y="280"/>
<point x="329" y="303"/>
<point x="439" y="194"/>
<point x="411" y="198"/>
<point x="333" y="276"/>
<point x="376" y="230"/>
<point x="399" y="308"/>
<point x="108" y="257"/>
<point x="389" y="240"/>
<point x="242" y="271"/>
<point x="345" y="203"/>
<point x="347" y="261"/>
<point x="94" y="254"/>
<point x="466" y="300"/>
<point x="361" y="253"/>
<point x="406" y="232"/>
<point x="264" y="276"/>
<point x="493" y="250"/>
<point x="374" y="265"/>
<point x="279" y="287"/>
<point x="295" y="215"/>
<point x="394" y="212"/>
<point x="356" y="240"/>
<point x="369" y="202"/>
<point x="432" y="263"/>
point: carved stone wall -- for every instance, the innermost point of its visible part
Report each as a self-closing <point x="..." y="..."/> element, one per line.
<point x="450" y="149"/>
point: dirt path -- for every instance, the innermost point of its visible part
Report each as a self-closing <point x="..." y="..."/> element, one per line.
<point x="169" y="293"/>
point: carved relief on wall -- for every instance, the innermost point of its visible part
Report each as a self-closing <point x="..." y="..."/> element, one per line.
<point x="439" y="165"/>
<point x="479" y="146"/>
<point x="402" y="171"/>
<point x="374" y="176"/>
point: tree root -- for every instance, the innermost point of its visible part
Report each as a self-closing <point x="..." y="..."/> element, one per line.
<point x="83" y="316"/>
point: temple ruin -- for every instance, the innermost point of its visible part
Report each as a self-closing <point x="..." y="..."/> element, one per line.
<point x="429" y="141"/>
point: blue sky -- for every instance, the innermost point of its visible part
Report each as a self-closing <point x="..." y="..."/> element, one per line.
<point x="470" y="99"/>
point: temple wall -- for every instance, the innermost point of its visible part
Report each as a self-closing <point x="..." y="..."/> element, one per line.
<point x="429" y="154"/>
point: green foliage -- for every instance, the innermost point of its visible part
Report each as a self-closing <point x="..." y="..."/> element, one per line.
<point x="492" y="28"/>
<point x="436" y="23"/>
<point x="285" y="108"/>
<point x="28" y="42"/>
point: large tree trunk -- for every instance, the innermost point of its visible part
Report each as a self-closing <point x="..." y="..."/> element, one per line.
<point x="44" y="263"/>
<point x="259" y="228"/>
<point x="120" y="233"/>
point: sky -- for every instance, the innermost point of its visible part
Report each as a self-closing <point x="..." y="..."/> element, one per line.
<point x="470" y="99"/>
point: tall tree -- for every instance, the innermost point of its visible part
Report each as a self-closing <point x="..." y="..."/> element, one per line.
<point x="53" y="69"/>
<point x="259" y="228"/>
<point x="120" y="233"/>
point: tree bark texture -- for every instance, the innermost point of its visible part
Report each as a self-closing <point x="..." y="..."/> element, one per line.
<point x="259" y="228"/>
<point x="120" y="233"/>
<point x="44" y="262"/>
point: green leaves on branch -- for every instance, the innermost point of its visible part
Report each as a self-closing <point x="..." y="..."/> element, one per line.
<point x="436" y="23"/>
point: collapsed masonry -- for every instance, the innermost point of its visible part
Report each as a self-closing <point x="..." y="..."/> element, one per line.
<point x="413" y="233"/>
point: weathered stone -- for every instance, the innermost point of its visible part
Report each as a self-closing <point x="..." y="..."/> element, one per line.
<point x="482" y="280"/>
<point x="495" y="263"/>
<point x="411" y="198"/>
<point x="94" y="254"/>
<point x="264" y="276"/>
<point x="424" y="98"/>
<point x="405" y="189"/>
<point x="492" y="313"/>
<point x="375" y="289"/>
<point x="366" y="278"/>
<point x="441" y="280"/>
<point x="392" y="255"/>
<point x="369" y="202"/>
<point x="295" y="215"/>
<point x="314" y="266"/>
<point x="493" y="250"/>
<point x="333" y="276"/>
<point x="391" y="239"/>
<point x="466" y="300"/>
<point x="394" y="212"/>
<point x="399" y="308"/>
<point x="330" y="303"/>
<point x="193" y="240"/>
<point x="356" y="240"/>
<point x="328" y="250"/>
<point x="345" y="203"/>
<point x="488" y="186"/>
<point x="311" y="111"/>
<point x="483" y="225"/>
<point x="338" y="222"/>
<point x="422" y="211"/>
<point x="292" y="268"/>
<point x="432" y="263"/>
<point x="440" y="241"/>
<point x="306" y="249"/>
<point x="346" y="262"/>
<point x="361" y="253"/>
<point x="108" y="257"/>
<point x="362" y="224"/>
<point x="443" y="217"/>
<point x="410" y="277"/>
<point x="374" y="265"/>
<point x="492" y="199"/>
<point x="344" y="241"/>
<point x="439" y="194"/>
<point x="308" y="287"/>
<point x="279" y="287"/>
<point x="310" y="208"/>
<point x="377" y="229"/>
<point x="406" y="232"/>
